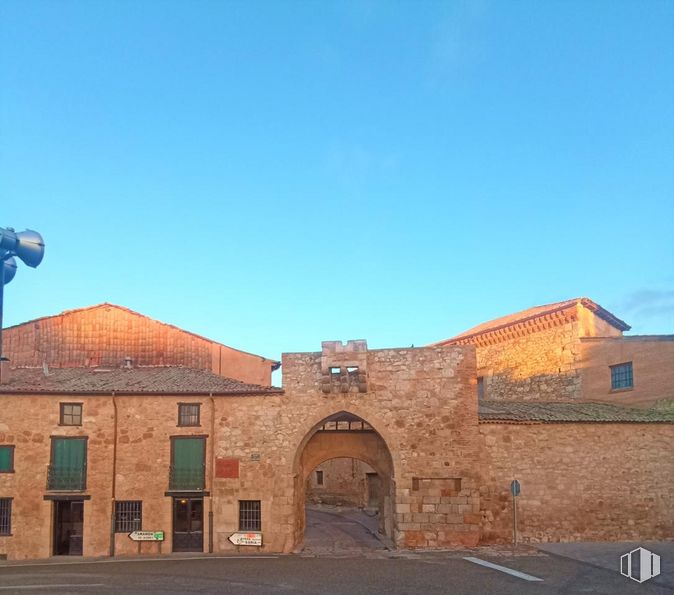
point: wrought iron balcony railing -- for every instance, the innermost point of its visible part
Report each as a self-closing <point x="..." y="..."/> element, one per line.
<point x="66" y="478"/>
<point x="189" y="478"/>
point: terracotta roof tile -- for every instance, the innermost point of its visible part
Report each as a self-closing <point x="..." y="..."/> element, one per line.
<point x="517" y="411"/>
<point x="535" y="312"/>
<point x="150" y="379"/>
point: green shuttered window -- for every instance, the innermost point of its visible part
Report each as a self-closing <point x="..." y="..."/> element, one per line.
<point x="68" y="464"/>
<point x="187" y="463"/>
<point x="6" y="459"/>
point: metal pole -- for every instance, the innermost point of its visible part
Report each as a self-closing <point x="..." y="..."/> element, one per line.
<point x="210" y="527"/>
<point x="514" y="520"/>
<point x="3" y="254"/>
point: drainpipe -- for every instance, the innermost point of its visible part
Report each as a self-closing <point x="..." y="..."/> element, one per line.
<point x="210" y="508"/>
<point x="114" y="477"/>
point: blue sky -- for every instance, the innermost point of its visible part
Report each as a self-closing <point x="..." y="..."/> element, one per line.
<point x="275" y="174"/>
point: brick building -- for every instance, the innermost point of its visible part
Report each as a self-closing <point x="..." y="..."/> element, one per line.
<point x="571" y="351"/>
<point x="106" y="335"/>
<point x="88" y="454"/>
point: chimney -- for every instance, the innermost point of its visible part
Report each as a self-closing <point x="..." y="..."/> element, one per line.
<point x="5" y="372"/>
<point x="128" y="363"/>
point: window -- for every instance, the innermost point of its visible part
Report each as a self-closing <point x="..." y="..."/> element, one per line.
<point x="480" y="387"/>
<point x="188" y="414"/>
<point x="187" y="470"/>
<point x="68" y="467"/>
<point x="319" y="478"/>
<point x="5" y="516"/>
<point x="250" y="516"/>
<point x="128" y="516"/>
<point x="71" y="414"/>
<point x="6" y="459"/>
<point x="621" y="376"/>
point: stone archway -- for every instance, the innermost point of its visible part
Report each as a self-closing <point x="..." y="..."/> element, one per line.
<point x="345" y="435"/>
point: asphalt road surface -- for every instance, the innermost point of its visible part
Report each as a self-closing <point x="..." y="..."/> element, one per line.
<point x="341" y="556"/>
<point x="338" y="532"/>
<point x="293" y="574"/>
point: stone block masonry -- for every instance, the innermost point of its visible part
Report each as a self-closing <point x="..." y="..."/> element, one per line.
<point x="579" y="481"/>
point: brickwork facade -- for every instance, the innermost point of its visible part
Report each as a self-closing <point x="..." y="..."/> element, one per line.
<point x="563" y="352"/>
<point x="107" y="334"/>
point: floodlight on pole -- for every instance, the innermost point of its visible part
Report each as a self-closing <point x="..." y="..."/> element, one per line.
<point x="28" y="247"/>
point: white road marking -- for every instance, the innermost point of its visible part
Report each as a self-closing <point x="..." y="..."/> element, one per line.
<point x="517" y="573"/>
<point x="62" y="586"/>
<point x="123" y="560"/>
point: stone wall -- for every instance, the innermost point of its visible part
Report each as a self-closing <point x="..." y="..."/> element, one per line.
<point x="421" y="402"/>
<point x="578" y="481"/>
<point x="28" y="422"/>
<point x="344" y="483"/>
<point x="540" y="366"/>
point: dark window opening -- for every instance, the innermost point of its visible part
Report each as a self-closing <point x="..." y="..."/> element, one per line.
<point x="5" y="516"/>
<point x="319" y="478"/>
<point x="188" y="414"/>
<point x="480" y="387"/>
<point x="71" y="414"/>
<point x="621" y="376"/>
<point x="6" y="459"/>
<point x="128" y="516"/>
<point x="250" y="515"/>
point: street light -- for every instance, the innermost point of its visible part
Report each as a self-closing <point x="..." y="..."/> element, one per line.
<point x="27" y="246"/>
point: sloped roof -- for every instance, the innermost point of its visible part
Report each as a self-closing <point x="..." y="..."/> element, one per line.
<point x="276" y="364"/>
<point x="138" y="380"/>
<point x="536" y="312"/>
<point x="544" y="412"/>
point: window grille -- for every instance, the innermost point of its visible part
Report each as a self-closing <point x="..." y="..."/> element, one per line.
<point x="71" y="414"/>
<point x="128" y="516"/>
<point x="621" y="376"/>
<point x="5" y="516"/>
<point x="250" y="515"/>
<point x="188" y="414"/>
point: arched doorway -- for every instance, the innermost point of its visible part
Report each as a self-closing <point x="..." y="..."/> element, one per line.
<point x="344" y="435"/>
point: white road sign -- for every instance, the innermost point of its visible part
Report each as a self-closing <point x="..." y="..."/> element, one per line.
<point x="246" y="538"/>
<point x="147" y="536"/>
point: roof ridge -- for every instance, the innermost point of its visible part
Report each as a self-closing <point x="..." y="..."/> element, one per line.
<point x="140" y="314"/>
<point x="534" y="312"/>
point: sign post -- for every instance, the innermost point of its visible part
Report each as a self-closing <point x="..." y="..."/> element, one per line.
<point x="250" y="538"/>
<point x="147" y="536"/>
<point x="515" y="491"/>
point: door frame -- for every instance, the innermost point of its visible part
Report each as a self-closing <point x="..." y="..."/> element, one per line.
<point x="56" y="533"/>
<point x="190" y="499"/>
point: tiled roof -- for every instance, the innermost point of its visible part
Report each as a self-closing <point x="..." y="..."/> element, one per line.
<point x="536" y="312"/>
<point x="75" y="326"/>
<point x="518" y="411"/>
<point x="141" y="380"/>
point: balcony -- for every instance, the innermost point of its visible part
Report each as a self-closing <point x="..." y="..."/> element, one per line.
<point x="66" y="478"/>
<point x="187" y="478"/>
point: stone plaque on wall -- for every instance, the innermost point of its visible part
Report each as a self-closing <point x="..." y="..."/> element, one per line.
<point x="226" y="468"/>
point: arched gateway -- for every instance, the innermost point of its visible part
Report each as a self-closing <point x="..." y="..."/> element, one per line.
<point x="345" y="435"/>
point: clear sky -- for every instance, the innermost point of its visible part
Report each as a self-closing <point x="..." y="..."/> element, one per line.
<point x="275" y="174"/>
